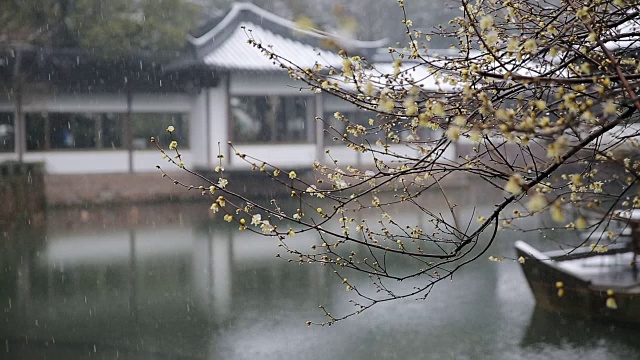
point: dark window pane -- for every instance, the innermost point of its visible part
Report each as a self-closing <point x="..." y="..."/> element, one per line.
<point x="251" y="117"/>
<point x="72" y="131"/>
<point x="7" y="132"/>
<point x="147" y="125"/>
<point x="36" y="123"/>
<point x="47" y="131"/>
<point x="110" y="131"/>
<point x="270" y="119"/>
<point x="294" y="116"/>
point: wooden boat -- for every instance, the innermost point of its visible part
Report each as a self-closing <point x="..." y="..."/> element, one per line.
<point x="599" y="285"/>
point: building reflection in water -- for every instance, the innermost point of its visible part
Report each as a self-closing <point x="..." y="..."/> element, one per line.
<point x="146" y="288"/>
<point x="120" y="283"/>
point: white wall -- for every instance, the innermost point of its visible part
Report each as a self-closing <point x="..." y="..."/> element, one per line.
<point x="101" y="161"/>
<point x="146" y="160"/>
<point x="106" y="102"/>
<point x="219" y="122"/>
<point x="197" y="126"/>
<point x="74" y="102"/>
<point x="288" y="156"/>
<point x="97" y="162"/>
<point x="276" y="83"/>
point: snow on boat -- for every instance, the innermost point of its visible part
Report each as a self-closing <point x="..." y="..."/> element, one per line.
<point x="585" y="282"/>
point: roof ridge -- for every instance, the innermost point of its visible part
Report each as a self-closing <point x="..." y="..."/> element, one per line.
<point x="238" y="7"/>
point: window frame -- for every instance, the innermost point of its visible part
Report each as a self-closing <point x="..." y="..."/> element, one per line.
<point x="309" y="130"/>
<point x="98" y="118"/>
<point x="10" y="115"/>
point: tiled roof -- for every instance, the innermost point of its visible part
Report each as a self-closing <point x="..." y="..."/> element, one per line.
<point x="238" y="8"/>
<point x="236" y="54"/>
<point x="627" y="36"/>
<point x="225" y="46"/>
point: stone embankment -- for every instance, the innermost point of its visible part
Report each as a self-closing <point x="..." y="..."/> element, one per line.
<point x="22" y="195"/>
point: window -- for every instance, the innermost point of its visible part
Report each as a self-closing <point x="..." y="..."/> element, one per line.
<point x="57" y="131"/>
<point x="146" y="125"/>
<point x="272" y="119"/>
<point x="7" y="132"/>
<point x="54" y="131"/>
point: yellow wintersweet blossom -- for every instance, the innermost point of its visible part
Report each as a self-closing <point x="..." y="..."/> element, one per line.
<point x="222" y="183"/>
<point x="346" y="67"/>
<point x="536" y="203"/>
<point x="486" y="22"/>
<point x="558" y="147"/>
<point x="530" y="45"/>
<point x="410" y="105"/>
<point x="581" y="223"/>
<point x="556" y="212"/>
<point x="514" y="185"/>
<point x="221" y="201"/>
<point x="475" y="136"/>
<point x="609" y="108"/>
<point x="611" y="303"/>
<point x="170" y="129"/>
<point x="513" y="44"/>
<point x="228" y="218"/>
<point x="453" y="133"/>
<point x="492" y="37"/>
<point x="292" y="175"/>
<point x="369" y="88"/>
<point x="576" y="179"/>
<point x="460" y="121"/>
<point x="173" y="145"/>
<point x="540" y="104"/>
<point x="560" y="287"/>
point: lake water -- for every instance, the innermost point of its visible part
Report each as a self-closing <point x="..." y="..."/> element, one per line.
<point x="167" y="282"/>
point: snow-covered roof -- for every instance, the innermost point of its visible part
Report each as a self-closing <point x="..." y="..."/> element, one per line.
<point x="225" y="46"/>
<point x="237" y="54"/>
<point x="238" y="8"/>
<point x="417" y="74"/>
<point x="627" y="35"/>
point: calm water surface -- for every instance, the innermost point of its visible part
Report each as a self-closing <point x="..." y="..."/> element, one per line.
<point x="147" y="283"/>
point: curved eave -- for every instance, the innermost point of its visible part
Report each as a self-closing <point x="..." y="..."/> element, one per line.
<point x="235" y="54"/>
<point x="238" y="8"/>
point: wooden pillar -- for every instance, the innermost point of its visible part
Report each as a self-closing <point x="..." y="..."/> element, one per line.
<point x="319" y="113"/>
<point x="20" y="134"/>
<point x="226" y="150"/>
<point x="128" y="131"/>
<point x="207" y="112"/>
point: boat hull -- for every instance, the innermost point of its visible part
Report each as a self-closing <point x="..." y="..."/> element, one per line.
<point x="558" y="290"/>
